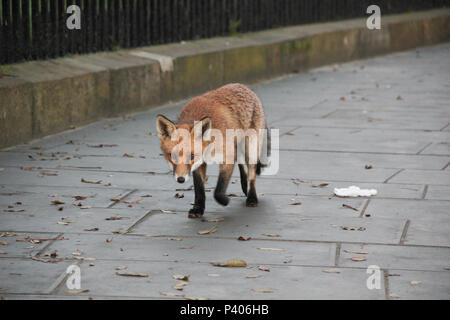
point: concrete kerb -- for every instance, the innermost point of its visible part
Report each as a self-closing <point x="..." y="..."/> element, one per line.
<point x="45" y="97"/>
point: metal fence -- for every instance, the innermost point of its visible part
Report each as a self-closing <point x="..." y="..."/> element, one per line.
<point x="36" y="29"/>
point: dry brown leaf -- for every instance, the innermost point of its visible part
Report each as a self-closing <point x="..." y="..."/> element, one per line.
<point x="171" y="294"/>
<point x="353" y="228"/>
<point x="91" y="181"/>
<point x="121" y="268"/>
<point x="416" y="282"/>
<point x="56" y="202"/>
<point x="253" y="276"/>
<point x="46" y="260"/>
<point x="127" y="155"/>
<point x="356" y="252"/>
<point x="358" y="259"/>
<point x="167" y="211"/>
<point x="233" y="263"/>
<point x="132" y="274"/>
<point x="181" y="277"/>
<point x="213" y="220"/>
<point x="73" y="292"/>
<point x="195" y="298"/>
<point x="322" y="185"/>
<point x="4" y="243"/>
<point x="295" y="203"/>
<point x="262" y="290"/>
<point x="91" y="229"/>
<point x="272" y="235"/>
<point x="114" y="218"/>
<point x="212" y="230"/>
<point x="175" y="239"/>
<point x="330" y="271"/>
<point x="180" y="285"/>
<point x="262" y="268"/>
<point x="244" y="238"/>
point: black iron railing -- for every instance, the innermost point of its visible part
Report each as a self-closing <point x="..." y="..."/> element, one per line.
<point x="36" y="29"/>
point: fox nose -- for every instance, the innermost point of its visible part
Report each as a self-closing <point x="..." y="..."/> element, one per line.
<point x="180" y="180"/>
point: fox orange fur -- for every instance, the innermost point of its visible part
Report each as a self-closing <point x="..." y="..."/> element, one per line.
<point x="233" y="106"/>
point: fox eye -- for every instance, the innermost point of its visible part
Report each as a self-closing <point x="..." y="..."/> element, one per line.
<point x="192" y="156"/>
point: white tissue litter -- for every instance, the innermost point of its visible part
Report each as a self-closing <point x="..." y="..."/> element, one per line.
<point x="354" y="191"/>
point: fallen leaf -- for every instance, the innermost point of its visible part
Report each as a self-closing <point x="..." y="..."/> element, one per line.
<point x="212" y="230"/>
<point x="195" y="298"/>
<point x="353" y="228"/>
<point x="213" y="220"/>
<point x="127" y="155"/>
<point x="47" y="260"/>
<point x="179" y="196"/>
<point x="91" y="181"/>
<point x="330" y="271"/>
<point x="262" y="290"/>
<point x="14" y="210"/>
<point x="262" y="268"/>
<point x="295" y="203"/>
<point x="26" y="168"/>
<point x="76" y="253"/>
<point x="2" y="252"/>
<point x="233" y="263"/>
<point x="416" y="282"/>
<point x="121" y="268"/>
<point x="171" y="294"/>
<point x="273" y="235"/>
<point x="181" y="277"/>
<point x="92" y="229"/>
<point x="167" y="211"/>
<point x="114" y="218"/>
<point x="358" y="259"/>
<point x="73" y="292"/>
<point x="253" y="276"/>
<point x="342" y="98"/>
<point x="399" y="98"/>
<point x="244" y="238"/>
<point x="349" y="207"/>
<point x="180" y="285"/>
<point x="271" y="249"/>
<point x="322" y="185"/>
<point x="132" y="274"/>
<point x="175" y="239"/>
<point x="4" y="243"/>
<point x="356" y="252"/>
<point x="368" y="166"/>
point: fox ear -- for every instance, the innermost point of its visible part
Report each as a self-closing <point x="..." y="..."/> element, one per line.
<point x="204" y="124"/>
<point x="165" y="127"/>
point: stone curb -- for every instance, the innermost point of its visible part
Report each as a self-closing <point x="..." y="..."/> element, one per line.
<point x="39" y="98"/>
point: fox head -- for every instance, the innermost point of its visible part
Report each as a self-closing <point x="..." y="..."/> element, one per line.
<point x="181" y="145"/>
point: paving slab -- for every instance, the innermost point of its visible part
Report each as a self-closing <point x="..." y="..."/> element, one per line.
<point x="207" y="281"/>
<point x="379" y="123"/>
<point x="426" y="285"/>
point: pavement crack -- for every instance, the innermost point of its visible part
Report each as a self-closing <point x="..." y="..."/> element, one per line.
<point x="48" y="245"/>
<point x="338" y="254"/>
<point x="121" y="198"/>
<point x="426" y="146"/>
<point x="363" y="211"/>
<point x="386" y="284"/>
<point x="425" y="190"/>
<point x="389" y="178"/>
<point x="405" y="231"/>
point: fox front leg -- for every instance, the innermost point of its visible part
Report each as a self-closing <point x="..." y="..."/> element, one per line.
<point x="199" y="176"/>
<point x="225" y="172"/>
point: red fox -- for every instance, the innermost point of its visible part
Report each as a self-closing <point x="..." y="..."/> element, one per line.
<point x="231" y="107"/>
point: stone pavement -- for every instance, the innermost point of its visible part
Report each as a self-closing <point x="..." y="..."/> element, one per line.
<point x="391" y="113"/>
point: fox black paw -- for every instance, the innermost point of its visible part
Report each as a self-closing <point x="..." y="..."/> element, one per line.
<point x="252" y="202"/>
<point x="222" y="199"/>
<point x="196" y="212"/>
